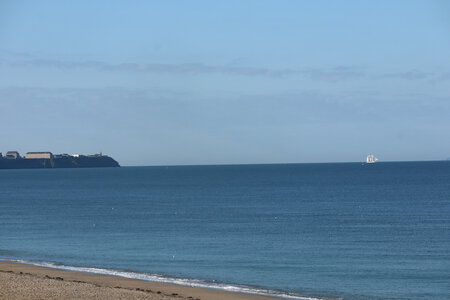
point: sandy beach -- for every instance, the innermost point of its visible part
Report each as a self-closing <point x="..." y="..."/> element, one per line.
<point x="21" y="281"/>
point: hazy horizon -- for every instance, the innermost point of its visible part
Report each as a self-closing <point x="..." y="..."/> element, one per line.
<point x="243" y="164"/>
<point x="205" y="83"/>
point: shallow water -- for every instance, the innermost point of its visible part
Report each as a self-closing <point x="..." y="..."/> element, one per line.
<point x="350" y="231"/>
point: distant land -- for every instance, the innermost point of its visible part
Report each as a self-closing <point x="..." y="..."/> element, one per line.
<point x="44" y="160"/>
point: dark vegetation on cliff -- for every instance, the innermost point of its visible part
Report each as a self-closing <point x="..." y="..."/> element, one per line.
<point x="60" y="162"/>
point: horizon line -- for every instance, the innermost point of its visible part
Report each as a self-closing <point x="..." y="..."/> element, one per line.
<point x="283" y="163"/>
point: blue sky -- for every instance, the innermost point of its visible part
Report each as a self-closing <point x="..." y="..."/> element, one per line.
<point x="214" y="82"/>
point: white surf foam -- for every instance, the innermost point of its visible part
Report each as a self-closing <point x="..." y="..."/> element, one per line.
<point x="164" y="279"/>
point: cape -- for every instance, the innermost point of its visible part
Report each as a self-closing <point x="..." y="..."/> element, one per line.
<point x="35" y="160"/>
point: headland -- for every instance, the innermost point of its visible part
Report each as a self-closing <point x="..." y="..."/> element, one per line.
<point x="44" y="160"/>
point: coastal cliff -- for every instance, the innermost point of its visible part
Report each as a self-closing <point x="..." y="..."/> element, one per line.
<point x="59" y="161"/>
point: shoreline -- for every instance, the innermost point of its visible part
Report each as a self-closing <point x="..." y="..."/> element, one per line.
<point x="25" y="281"/>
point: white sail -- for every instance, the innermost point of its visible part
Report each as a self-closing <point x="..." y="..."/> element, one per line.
<point x="370" y="159"/>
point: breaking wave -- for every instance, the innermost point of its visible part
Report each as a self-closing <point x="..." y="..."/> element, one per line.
<point x="165" y="279"/>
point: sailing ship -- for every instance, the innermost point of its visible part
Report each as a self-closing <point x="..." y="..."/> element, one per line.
<point x="370" y="159"/>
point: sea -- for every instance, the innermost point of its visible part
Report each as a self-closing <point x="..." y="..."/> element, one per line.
<point x="294" y="231"/>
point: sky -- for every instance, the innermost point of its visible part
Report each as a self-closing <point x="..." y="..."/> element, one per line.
<point x="226" y="82"/>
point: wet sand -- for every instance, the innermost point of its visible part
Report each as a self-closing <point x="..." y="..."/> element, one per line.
<point x="21" y="281"/>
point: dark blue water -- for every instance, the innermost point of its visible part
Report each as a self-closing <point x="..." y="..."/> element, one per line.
<point x="350" y="231"/>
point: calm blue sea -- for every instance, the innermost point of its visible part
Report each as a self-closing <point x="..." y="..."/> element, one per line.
<point x="339" y="231"/>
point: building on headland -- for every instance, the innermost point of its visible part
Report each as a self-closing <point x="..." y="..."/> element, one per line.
<point x="34" y="155"/>
<point x="45" y="155"/>
<point x="12" y="155"/>
<point x="34" y="160"/>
